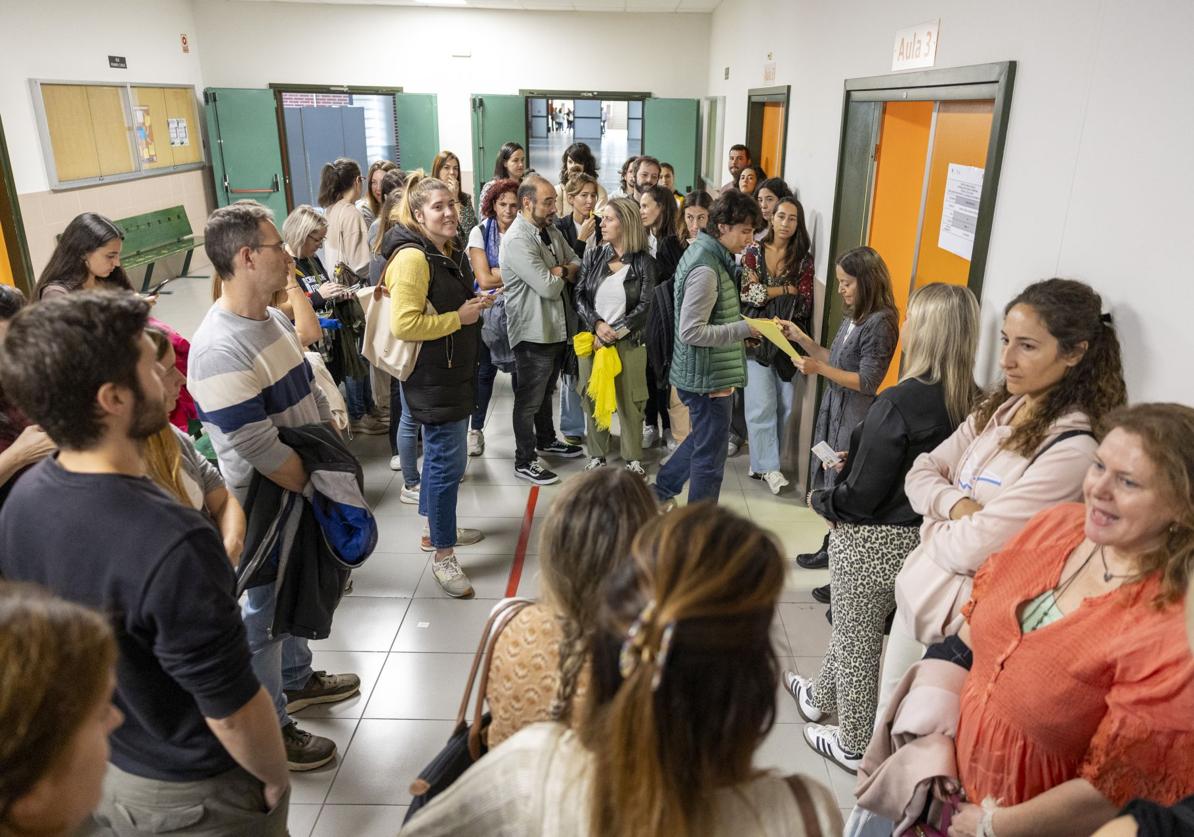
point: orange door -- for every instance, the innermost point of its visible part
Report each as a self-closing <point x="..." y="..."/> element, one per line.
<point x="771" y="151"/>
<point x="6" y="272"/>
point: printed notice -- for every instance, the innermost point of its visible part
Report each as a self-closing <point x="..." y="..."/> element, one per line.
<point x="178" y="132"/>
<point x="959" y="215"/>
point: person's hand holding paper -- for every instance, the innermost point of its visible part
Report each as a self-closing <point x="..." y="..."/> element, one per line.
<point x="773" y="330"/>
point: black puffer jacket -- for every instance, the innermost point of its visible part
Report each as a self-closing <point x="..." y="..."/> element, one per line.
<point x="639" y="285"/>
<point x="442" y="387"/>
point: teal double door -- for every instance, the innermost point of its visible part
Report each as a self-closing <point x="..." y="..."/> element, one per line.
<point x="671" y="132"/>
<point x="246" y="141"/>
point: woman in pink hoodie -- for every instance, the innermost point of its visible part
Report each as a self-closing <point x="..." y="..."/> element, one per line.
<point x="1025" y="448"/>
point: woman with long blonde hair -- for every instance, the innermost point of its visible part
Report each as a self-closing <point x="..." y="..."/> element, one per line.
<point x="681" y="697"/>
<point x="873" y="527"/>
<point x="181" y="471"/>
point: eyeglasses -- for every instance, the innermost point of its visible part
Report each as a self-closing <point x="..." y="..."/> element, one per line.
<point x="280" y="246"/>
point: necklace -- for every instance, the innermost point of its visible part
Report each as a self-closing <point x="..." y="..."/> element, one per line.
<point x="1107" y="574"/>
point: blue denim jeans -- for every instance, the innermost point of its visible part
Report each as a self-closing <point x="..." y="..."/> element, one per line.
<point x="280" y="662"/>
<point x="445" y="455"/>
<point x="572" y="412"/>
<point x="356" y="396"/>
<point x="404" y="435"/>
<point x="701" y="458"/>
<point x="768" y="400"/>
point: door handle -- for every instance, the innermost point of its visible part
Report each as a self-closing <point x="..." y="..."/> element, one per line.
<point x="274" y="188"/>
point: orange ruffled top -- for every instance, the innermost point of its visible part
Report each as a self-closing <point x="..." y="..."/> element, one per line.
<point x="1106" y="693"/>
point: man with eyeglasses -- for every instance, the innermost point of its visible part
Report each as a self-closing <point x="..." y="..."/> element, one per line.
<point x="248" y="376"/>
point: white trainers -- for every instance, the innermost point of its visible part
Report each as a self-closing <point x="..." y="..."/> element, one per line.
<point x="650" y="435"/>
<point x="802" y="691"/>
<point x="464" y="537"/>
<point x="409" y="495"/>
<point x="636" y="467"/>
<point x="476" y="442"/>
<point x="825" y="739"/>
<point x="395" y="463"/>
<point x="775" y="481"/>
<point x="451" y="577"/>
<point x="670" y="441"/>
<point x="595" y="463"/>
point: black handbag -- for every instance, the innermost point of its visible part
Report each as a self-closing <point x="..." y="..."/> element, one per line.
<point x="468" y="740"/>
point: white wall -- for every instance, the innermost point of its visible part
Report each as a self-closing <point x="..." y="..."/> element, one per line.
<point x="71" y="40"/>
<point x="250" y="44"/>
<point x="1097" y="171"/>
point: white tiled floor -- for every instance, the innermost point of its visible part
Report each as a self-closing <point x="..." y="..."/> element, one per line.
<point x="412" y="646"/>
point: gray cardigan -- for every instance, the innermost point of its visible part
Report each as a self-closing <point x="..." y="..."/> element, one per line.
<point x="535" y="299"/>
<point x="867" y="351"/>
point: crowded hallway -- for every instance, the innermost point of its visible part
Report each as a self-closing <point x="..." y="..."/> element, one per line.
<point x="658" y="447"/>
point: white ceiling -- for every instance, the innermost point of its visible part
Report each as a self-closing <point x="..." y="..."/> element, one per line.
<point x="653" y="6"/>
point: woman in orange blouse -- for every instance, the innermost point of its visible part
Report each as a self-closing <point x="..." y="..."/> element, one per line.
<point x="1081" y="695"/>
<point x="540" y="659"/>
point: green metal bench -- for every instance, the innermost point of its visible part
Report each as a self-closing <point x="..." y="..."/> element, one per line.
<point x="152" y="236"/>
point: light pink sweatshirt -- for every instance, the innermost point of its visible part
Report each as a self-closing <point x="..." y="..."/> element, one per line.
<point x="974" y="464"/>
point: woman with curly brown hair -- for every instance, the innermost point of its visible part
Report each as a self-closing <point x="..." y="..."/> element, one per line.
<point x="57" y="674"/>
<point x="681" y="696"/>
<point x="1026" y="447"/>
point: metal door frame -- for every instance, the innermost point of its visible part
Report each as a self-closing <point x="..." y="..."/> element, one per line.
<point x="13" y="224"/>
<point x="761" y="95"/>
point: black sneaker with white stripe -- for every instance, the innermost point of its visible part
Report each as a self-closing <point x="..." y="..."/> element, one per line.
<point x="563" y="449"/>
<point x="824" y="739"/>
<point x="536" y="473"/>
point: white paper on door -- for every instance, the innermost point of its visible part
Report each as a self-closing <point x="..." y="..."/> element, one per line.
<point x="959" y="215"/>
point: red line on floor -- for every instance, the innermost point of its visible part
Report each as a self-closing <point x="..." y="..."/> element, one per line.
<point x="524" y="537"/>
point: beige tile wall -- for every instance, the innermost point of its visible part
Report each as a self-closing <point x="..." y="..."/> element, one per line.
<point x="45" y="214"/>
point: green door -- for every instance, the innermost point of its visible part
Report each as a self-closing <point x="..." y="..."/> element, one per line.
<point x="417" y="115"/>
<point x="496" y="121"/>
<point x="246" y="151"/>
<point x="671" y="133"/>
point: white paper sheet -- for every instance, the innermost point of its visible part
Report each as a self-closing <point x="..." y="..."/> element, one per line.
<point x="959" y="214"/>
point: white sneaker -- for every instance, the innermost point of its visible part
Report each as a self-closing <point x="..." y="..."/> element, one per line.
<point x="636" y="467"/>
<point x="825" y="740"/>
<point x="595" y="463"/>
<point x="409" y="494"/>
<point x="775" y="481"/>
<point x="464" y="537"/>
<point x="650" y="435"/>
<point x="476" y="442"/>
<point x="802" y="691"/>
<point x="670" y="441"/>
<point x="732" y="447"/>
<point x="395" y="463"/>
<point x="451" y="577"/>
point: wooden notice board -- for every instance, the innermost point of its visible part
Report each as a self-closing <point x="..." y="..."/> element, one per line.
<point x="102" y="132"/>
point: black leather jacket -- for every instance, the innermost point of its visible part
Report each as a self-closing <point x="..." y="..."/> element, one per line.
<point x="639" y="285"/>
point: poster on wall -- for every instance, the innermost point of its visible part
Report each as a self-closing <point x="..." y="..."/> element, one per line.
<point x="178" y="132"/>
<point x="143" y="132"/>
<point x="959" y="214"/>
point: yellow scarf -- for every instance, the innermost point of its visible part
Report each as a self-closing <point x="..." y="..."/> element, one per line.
<point x="606" y="366"/>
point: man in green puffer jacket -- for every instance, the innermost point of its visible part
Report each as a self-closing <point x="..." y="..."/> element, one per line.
<point x="708" y="359"/>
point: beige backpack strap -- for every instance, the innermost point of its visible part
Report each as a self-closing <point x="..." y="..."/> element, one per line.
<point x="804" y="801"/>
<point x="503" y="614"/>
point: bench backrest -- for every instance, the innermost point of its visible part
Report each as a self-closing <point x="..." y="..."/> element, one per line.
<point x="153" y="229"/>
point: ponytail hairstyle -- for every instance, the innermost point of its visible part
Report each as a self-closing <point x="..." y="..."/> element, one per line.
<point x="684" y="672"/>
<point x="867" y="268"/>
<point x="940" y="341"/>
<point x="1072" y="313"/>
<point x="163" y="454"/>
<point x="586" y="535"/>
<point x="336" y="178"/>
<point x="68" y="263"/>
<point x="419" y="188"/>
<point x="56" y="658"/>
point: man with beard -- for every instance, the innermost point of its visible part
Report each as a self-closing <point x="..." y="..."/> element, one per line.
<point x="739" y="159"/>
<point x="199" y="733"/>
<point x="248" y="376"/>
<point x="538" y="269"/>
<point x="646" y="175"/>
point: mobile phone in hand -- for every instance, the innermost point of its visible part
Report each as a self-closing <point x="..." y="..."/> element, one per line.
<point x="826" y="454"/>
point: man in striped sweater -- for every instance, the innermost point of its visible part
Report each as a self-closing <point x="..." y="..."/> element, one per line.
<point x="248" y="376"/>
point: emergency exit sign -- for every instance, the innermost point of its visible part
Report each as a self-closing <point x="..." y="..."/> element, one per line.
<point x="916" y="47"/>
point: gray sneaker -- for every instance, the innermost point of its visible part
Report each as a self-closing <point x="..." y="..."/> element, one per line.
<point x="450" y="577"/>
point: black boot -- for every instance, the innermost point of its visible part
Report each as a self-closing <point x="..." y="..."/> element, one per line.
<point x="818" y="560"/>
<point x="821" y="594"/>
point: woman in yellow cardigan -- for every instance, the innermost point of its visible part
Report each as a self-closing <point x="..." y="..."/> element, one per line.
<point x="425" y="276"/>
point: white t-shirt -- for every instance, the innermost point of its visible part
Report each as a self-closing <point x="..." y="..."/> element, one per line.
<point x="476" y="238"/>
<point x="611" y="296"/>
<point x="652" y="244"/>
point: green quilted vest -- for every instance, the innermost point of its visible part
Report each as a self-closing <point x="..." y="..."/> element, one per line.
<point x="704" y="369"/>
